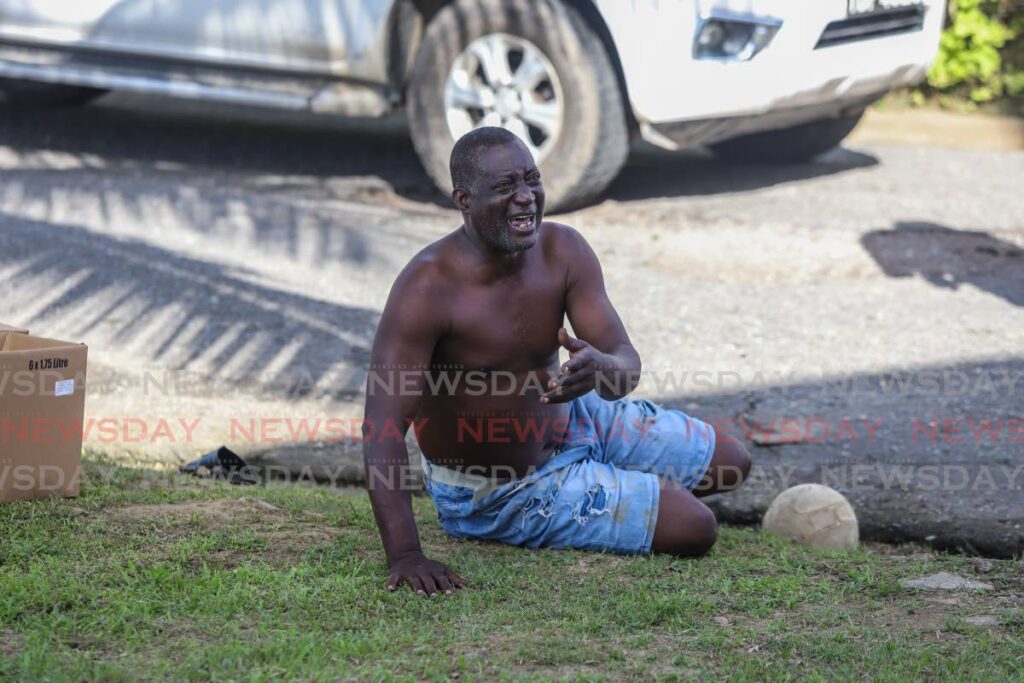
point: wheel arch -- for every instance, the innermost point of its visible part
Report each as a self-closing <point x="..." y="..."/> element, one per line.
<point x="595" y="20"/>
<point x="409" y="18"/>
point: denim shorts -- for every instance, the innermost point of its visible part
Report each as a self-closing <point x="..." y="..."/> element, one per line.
<point x="598" y="491"/>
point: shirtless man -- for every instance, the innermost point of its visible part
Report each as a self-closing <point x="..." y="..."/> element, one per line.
<point x="549" y="456"/>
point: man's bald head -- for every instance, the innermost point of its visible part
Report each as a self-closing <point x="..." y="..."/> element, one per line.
<point x="464" y="163"/>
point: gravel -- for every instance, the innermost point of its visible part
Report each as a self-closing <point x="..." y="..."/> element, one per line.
<point x="227" y="269"/>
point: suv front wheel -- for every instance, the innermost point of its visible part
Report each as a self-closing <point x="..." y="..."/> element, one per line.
<point x="534" y="67"/>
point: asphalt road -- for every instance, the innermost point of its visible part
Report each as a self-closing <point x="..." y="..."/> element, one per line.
<point x="227" y="270"/>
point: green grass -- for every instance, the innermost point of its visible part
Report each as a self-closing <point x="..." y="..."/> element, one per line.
<point x="148" y="577"/>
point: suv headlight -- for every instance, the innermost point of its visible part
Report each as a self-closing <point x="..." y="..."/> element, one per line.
<point x="733" y="37"/>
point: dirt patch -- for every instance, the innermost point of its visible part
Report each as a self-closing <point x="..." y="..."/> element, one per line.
<point x="926" y="618"/>
<point x="758" y="256"/>
<point x="273" y="535"/>
<point x="941" y="129"/>
<point x="10" y="643"/>
<point x="597" y="562"/>
<point x="901" y="551"/>
<point x="204" y="512"/>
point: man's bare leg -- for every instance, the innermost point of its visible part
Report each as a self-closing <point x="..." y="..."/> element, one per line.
<point x="685" y="526"/>
<point x="729" y="468"/>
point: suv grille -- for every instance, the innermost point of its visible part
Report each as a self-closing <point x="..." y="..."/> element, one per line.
<point x="876" y="24"/>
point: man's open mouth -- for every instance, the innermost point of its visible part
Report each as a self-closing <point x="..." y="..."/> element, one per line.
<point x="523" y="222"/>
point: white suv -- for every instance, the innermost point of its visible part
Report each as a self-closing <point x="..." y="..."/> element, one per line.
<point x="775" y="80"/>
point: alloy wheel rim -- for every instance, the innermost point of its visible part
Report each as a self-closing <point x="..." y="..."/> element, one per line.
<point x="504" y="80"/>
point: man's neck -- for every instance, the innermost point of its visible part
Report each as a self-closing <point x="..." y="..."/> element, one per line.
<point x="495" y="264"/>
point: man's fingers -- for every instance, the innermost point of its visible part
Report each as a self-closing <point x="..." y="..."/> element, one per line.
<point x="427" y="578"/>
<point x="578" y="362"/>
<point x="571" y="381"/>
<point x="416" y="584"/>
<point x="444" y="583"/>
<point x="578" y="387"/>
<point x="553" y="396"/>
<point x="572" y="373"/>
<point x="555" y="393"/>
<point x="557" y="397"/>
<point x="429" y="584"/>
<point x="568" y="342"/>
<point x="563" y="384"/>
<point x="572" y="393"/>
<point x="563" y="337"/>
<point x="569" y="387"/>
<point x="457" y="580"/>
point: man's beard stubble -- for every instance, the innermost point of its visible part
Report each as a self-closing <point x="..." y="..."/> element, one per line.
<point x="503" y="242"/>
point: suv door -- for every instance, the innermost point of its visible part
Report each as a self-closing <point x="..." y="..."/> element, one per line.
<point x="317" y="36"/>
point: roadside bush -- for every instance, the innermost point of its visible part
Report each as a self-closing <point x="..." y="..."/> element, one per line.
<point x="981" y="58"/>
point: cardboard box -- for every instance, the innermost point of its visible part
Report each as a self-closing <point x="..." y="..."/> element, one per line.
<point x="7" y="329"/>
<point x="42" y="408"/>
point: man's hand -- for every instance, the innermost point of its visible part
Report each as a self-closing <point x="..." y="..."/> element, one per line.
<point x="579" y="374"/>
<point x="423" y="575"/>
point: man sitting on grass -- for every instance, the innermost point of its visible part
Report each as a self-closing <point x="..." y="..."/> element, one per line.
<point x="516" y="449"/>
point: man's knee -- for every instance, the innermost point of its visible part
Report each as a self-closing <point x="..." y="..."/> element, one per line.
<point x="736" y="456"/>
<point x="685" y="526"/>
<point x="729" y="467"/>
<point x="701" y="534"/>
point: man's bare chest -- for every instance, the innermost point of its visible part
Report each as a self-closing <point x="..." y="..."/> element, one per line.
<point x="512" y="327"/>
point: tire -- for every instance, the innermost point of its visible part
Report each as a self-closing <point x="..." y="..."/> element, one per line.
<point x="588" y="150"/>
<point x="789" y="145"/>
<point x="36" y="93"/>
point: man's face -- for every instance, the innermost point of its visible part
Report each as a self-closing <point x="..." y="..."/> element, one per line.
<point x="505" y="206"/>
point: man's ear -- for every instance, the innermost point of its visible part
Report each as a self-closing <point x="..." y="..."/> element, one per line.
<point x="461" y="199"/>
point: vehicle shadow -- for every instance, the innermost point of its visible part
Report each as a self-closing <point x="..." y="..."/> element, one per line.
<point x="653" y="172"/>
<point x="949" y="258"/>
<point x="134" y="131"/>
<point x="145" y="131"/>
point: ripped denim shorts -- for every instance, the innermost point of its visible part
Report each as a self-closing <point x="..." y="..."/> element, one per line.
<point x="600" y="489"/>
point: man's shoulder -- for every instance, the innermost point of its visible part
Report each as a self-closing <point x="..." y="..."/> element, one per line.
<point x="561" y="235"/>
<point x="429" y="270"/>
<point x="561" y="230"/>
<point x="564" y="242"/>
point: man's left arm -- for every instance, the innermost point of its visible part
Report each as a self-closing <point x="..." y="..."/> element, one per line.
<point x="601" y="357"/>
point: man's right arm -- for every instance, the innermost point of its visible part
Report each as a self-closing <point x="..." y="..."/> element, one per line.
<point x="409" y="328"/>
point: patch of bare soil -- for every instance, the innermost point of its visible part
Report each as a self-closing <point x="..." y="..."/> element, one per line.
<point x="202" y="512"/>
<point x="927" y="616"/>
<point x="10" y="643"/>
<point x="758" y="256"/>
<point x="942" y="129"/>
<point x="900" y="551"/>
<point x="930" y="616"/>
<point x="286" y="538"/>
<point x="600" y="563"/>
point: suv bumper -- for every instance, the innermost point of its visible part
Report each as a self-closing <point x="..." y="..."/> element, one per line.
<point x="793" y="80"/>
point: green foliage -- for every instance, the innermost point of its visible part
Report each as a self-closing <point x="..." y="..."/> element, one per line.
<point x="978" y="58"/>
